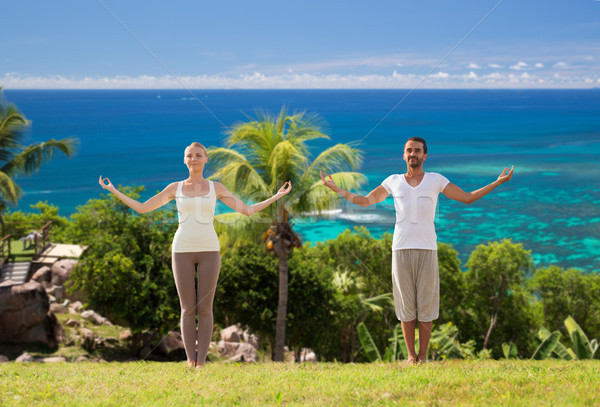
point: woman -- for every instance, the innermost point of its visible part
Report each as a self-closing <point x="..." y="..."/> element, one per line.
<point x="195" y="244"/>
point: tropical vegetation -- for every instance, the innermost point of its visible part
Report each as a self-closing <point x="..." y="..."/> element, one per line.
<point x="19" y="159"/>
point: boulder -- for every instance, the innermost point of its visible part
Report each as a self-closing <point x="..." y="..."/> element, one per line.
<point x="73" y="323"/>
<point x="44" y="274"/>
<point x="53" y="359"/>
<point x="88" y="339"/>
<point x="76" y="306"/>
<point x="61" y="270"/>
<point x="95" y="318"/>
<point x="7" y="283"/>
<point x="172" y="345"/>
<point x="232" y="333"/>
<point x="145" y="352"/>
<point x="25" y="358"/>
<point x="82" y="358"/>
<point x="237" y="351"/>
<point x="25" y="315"/>
<point x="3" y="359"/>
<point x="126" y="335"/>
<point x="58" y="308"/>
<point x="251" y="339"/>
<point x="307" y="355"/>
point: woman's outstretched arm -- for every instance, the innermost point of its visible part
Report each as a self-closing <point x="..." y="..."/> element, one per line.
<point x="375" y="196"/>
<point x="237" y="205"/>
<point x="151" y="204"/>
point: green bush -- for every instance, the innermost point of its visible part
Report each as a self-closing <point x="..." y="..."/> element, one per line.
<point x="126" y="271"/>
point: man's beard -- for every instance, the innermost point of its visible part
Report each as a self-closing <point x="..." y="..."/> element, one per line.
<point x="416" y="163"/>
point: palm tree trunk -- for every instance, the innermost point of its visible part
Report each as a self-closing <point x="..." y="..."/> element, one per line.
<point x="281" y="307"/>
<point x="493" y="320"/>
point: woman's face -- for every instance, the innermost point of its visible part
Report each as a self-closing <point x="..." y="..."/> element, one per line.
<point x="195" y="157"/>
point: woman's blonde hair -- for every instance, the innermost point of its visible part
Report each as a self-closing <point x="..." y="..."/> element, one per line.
<point x="195" y="144"/>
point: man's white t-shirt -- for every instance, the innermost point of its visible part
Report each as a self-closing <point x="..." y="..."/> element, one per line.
<point x="415" y="210"/>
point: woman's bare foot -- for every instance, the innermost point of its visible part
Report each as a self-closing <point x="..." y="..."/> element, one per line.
<point x="199" y="365"/>
<point x="191" y="363"/>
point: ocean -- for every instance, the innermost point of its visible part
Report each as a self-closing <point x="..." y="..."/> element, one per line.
<point x="552" y="137"/>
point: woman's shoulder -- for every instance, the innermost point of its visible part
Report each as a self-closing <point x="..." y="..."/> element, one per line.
<point x="172" y="187"/>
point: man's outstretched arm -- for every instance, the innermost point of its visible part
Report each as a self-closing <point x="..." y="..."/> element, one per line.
<point x="375" y="196"/>
<point x="455" y="193"/>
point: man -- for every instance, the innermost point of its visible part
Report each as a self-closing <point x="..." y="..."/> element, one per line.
<point x="415" y="274"/>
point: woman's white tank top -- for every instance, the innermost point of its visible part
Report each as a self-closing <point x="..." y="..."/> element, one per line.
<point x="196" y="232"/>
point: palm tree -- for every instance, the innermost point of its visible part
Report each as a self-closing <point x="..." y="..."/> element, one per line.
<point x="260" y="156"/>
<point x="17" y="159"/>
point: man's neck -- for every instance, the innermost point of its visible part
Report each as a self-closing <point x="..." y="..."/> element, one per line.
<point x="414" y="172"/>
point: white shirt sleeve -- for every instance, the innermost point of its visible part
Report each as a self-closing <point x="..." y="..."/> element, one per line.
<point x="442" y="182"/>
<point x="387" y="184"/>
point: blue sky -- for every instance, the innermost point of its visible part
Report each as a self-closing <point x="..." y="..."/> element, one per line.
<point x="301" y="44"/>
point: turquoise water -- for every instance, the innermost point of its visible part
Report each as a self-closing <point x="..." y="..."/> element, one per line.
<point x="552" y="137"/>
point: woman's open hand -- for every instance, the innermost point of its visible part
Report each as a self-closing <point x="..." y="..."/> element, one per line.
<point x="506" y="175"/>
<point x="285" y="189"/>
<point x="329" y="183"/>
<point x="106" y="184"/>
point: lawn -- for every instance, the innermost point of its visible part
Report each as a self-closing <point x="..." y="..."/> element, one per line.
<point x="327" y="384"/>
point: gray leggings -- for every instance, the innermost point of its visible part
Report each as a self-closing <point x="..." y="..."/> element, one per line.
<point x="196" y="300"/>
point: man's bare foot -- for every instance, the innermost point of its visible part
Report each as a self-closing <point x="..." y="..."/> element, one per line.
<point x="199" y="365"/>
<point x="411" y="361"/>
<point x="191" y="363"/>
<point x="421" y="361"/>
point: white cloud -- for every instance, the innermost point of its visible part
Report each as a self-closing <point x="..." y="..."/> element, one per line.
<point x="260" y="80"/>
<point x="519" y="66"/>
<point x="495" y="66"/>
<point x="539" y="65"/>
<point x="440" y="75"/>
<point x="473" y="66"/>
<point x="560" y="65"/>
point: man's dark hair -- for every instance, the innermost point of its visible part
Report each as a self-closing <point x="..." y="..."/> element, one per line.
<point x="420" y="140"/>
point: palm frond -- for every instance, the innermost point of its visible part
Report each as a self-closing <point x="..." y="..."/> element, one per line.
<point x="12" y="126"/>
<point x="235" y="230"/>
<point x="341" y="157"/>
<point x="29" y="160"/>
<point x="236" y="173"/>
<point x="317" y="197"/>
<point x="305" y="127"/>
<point x="9" y="190"/>
<point x="285" y="162"/>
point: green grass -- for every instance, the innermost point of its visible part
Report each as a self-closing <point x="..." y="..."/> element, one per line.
<point x="16" y="249"/>
<point x="327" y="384"/>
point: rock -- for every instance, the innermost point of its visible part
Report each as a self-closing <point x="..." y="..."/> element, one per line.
<point x="59" y="292"/>
<point x="307" y="355"/>
<point x="82" y="358"/>
<point x="76" y="306"/>
<point x="93" y="317"/>
<point x="54" y="359"/>
<point x="58" y="308"/>
<point x="237" y="351"/>
<point x="61" y="270"/>
<point x="251" y="339"/>
<point x="172" y="345"/>
<point x="231" y="334"/>
<point x="44" y="274"/>
<point x="3" y="359"/>
<point x="145" y="352"/>
<point x="25" y="315"/>
<point x="73" y="323"/>
<point x="88" y="339"/>
<point x="25" y="358"/>
<point x="126" y="335"/>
